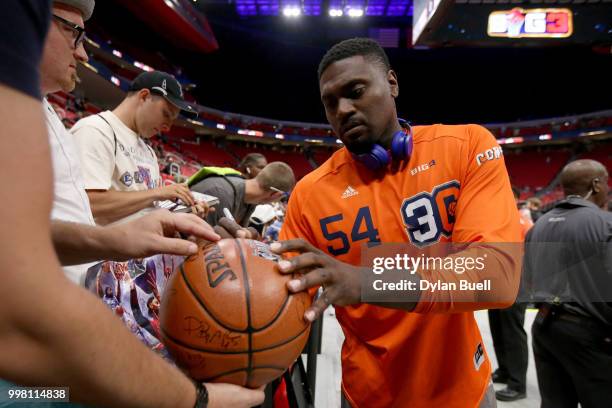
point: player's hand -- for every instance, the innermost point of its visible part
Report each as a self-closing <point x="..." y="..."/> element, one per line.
<point x="341" y="282"/>
<point x="175" y="192"/>
<point x="157" y="232"/>
<point x="227" y="228"/>
<point x="228" y="395"/>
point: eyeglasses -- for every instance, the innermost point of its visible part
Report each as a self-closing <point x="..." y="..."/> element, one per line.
<point x="78" y="32"/>
<point x="278" y="190"/>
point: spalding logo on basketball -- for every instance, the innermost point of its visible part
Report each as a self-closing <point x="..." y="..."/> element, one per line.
<point x="227" y="316"/>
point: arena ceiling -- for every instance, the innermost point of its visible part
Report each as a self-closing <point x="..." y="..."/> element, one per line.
<point x="266" y="66"/>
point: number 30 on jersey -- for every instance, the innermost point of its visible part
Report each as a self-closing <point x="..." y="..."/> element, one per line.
<point x="427" y="216"/>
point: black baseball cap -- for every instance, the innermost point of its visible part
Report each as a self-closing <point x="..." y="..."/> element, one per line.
<point x="165" y="85"/>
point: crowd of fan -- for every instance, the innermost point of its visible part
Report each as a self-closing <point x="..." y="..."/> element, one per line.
<point x="178" y="163"/>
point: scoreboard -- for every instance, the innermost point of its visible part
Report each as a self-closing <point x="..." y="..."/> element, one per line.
<point x="467" y="23"/>
<point x="533" y="23"/>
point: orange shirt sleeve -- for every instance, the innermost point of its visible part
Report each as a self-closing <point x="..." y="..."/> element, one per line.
<point x="294" y="226"/>
<point x="487" y="220"/>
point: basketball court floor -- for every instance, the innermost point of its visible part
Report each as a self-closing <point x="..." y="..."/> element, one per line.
<point x="327" y="394"/>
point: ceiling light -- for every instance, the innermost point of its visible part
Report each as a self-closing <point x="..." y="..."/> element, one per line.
<point x="355" y="12"/>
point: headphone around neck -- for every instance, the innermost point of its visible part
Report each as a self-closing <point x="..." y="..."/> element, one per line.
<point x="401" y="148"/>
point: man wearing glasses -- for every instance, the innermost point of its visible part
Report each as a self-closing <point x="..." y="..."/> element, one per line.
<point x="75" y="31"/>
<point x="62" y="52"/>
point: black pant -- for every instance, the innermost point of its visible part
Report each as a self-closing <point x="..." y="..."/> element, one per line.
<point x="573" y="358"/>
<point x="510" y="344"/>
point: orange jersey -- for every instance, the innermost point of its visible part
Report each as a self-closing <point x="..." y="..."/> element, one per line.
<point x="454" y="187"/>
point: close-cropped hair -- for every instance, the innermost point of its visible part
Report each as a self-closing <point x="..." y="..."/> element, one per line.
<point x="355" y="46"/>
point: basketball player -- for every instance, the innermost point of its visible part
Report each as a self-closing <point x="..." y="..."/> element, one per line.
<point x="421" y="354"/>
<point x="47" y="336"/>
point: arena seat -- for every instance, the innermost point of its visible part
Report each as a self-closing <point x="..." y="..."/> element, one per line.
<point x="208" y="154"/>
<point x="296" y="160"/>
<point x="535" y="169"/>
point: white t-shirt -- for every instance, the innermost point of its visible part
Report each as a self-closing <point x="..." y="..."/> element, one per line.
<point x="70" y="201"/>
<point x="113" y="156"/>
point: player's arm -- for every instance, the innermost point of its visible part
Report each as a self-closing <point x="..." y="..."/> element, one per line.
<point x="154" y="233"/>
<point x="296" y="237"/>
<point x="294" y="226"/>
<point x="486" y="218"/>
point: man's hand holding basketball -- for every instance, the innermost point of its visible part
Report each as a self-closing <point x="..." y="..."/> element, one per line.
<point x="341" y="282"/>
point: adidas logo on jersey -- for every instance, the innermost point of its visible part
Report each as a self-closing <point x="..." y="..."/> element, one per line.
<point x="349" y="192"/>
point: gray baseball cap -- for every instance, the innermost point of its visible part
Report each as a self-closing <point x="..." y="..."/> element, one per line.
<point x="85" y="6"/>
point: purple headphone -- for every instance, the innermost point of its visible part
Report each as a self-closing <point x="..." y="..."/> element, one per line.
<point x="401" y="148"/>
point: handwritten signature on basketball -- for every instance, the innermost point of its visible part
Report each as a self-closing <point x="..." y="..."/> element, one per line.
<point x="223" y="338"/>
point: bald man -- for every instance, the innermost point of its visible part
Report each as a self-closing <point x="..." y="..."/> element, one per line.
<point x="568" y="271"/>
<point x="587" y="179"/>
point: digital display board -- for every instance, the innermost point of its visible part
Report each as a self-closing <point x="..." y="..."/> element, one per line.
<point x="531" y="23"/>
<point x="465" y="23"/>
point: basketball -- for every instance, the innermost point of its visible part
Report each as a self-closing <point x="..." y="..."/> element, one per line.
<point x="227" y="316"/>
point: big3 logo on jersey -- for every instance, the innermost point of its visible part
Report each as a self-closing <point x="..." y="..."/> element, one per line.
<point x="429" y="215"/>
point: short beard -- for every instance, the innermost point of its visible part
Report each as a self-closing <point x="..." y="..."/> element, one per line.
<point x="360" y="147"/>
